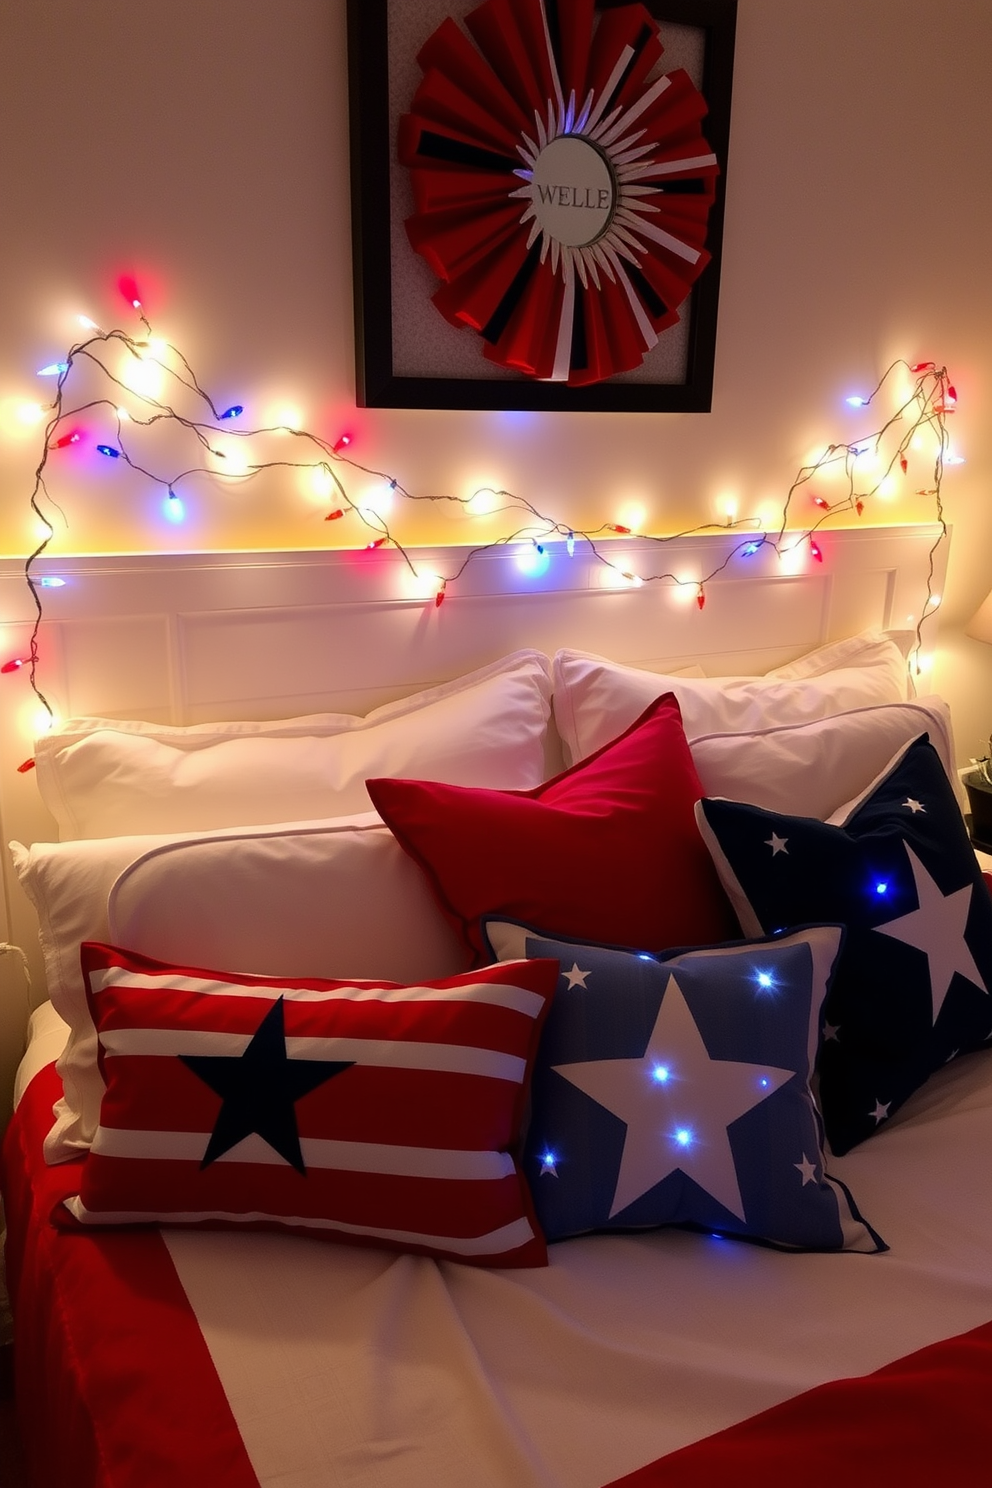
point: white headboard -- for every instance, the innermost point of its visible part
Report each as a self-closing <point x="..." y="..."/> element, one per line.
<point x="189" y="638"/>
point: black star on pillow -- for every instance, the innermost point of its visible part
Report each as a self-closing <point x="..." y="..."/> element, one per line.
<point x="913" y="987"/>
<point x="259" y="1090"/>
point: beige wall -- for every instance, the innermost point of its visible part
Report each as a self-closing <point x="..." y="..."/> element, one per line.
<point x="205" y="142"/>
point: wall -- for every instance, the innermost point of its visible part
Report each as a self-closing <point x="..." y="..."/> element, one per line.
<point x="203" y="143"/>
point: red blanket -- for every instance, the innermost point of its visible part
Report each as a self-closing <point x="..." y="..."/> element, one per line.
<point x="116" y="1387"/>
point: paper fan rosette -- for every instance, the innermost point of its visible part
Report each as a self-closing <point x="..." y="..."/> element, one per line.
<point x="562" y="184"/>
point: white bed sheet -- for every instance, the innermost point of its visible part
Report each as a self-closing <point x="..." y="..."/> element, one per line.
<point x="345" y="1366"/>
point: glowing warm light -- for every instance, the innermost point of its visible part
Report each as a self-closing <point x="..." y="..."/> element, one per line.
<point x="422" y="585"/>
<point x="379" y="501"/>
<point x="686" y="589"/>
<point x="933" y="601"/>
<point x="727" y="507"/>
<point x="287" y="416"/>
<point x="888" y="487"/>
<point x="122" y="414"/>
<point x="143" y="375"/>
<point x="29" y="414"/>
<point x="86" y="323"/>
<point x="318" y="480"/>
<point x="633" y="516"/>
<point x="234" y="456"/>
<point x="793" y="558"/>
<point x="950" y="459"/>
<point x="39" y="721"/>
<point x="484" y="502"/>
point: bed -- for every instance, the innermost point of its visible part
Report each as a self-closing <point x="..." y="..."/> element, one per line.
<point x="694" y="1314"/>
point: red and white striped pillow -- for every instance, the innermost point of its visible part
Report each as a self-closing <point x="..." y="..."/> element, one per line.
<point x="358" y="1111"/>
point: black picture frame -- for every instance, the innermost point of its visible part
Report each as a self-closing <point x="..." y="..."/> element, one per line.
<point x="378" y="384"/>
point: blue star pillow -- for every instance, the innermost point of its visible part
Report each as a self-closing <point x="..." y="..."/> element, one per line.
<point x="676" y="1091"/>
<point x="912" y="987"/>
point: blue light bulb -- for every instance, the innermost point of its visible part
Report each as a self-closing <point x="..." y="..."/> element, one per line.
<point x="109" y="451"/>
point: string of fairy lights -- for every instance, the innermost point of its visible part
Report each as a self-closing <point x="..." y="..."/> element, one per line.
<point x="860" y="471"/>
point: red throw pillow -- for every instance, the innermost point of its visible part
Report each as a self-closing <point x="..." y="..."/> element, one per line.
<point x="357" y="1111"/>
<point x="608" y="850"/>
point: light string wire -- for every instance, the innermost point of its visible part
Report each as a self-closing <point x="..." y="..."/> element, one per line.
<point x="925" y="407"/>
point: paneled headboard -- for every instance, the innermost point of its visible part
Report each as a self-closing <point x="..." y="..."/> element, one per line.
<point x="189" y="638"/>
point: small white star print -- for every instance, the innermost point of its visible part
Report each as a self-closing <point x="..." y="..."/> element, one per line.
<point x="880" y="1112"/>
<point x="807" y="1169"/>
<point x="575" y="977"/>
<point x="915" y="806"/>
<point x="777" y="844"/>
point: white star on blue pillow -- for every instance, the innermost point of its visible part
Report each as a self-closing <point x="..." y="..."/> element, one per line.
<point x="912" y="988"/>
<point x="675" y="1091"/>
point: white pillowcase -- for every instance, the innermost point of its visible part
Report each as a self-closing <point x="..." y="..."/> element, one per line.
<point x="811" y="769"/>
<point x="101" y="778"/>
<point x="333" y="898"/>
<point x="596" y="699"/>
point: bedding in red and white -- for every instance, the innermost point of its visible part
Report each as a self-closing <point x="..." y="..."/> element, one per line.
<point x="153" y="1358"/>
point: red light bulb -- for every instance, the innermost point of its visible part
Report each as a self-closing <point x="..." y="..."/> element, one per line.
<point x="333" y="516"/>
<point x="128" y="287"/>
<point x="701" y="599"/>
<point x="66" y="439"/>
<point x="342" y="442"/>
<point x="13" y="666"/>
<point x="815" y="551"/>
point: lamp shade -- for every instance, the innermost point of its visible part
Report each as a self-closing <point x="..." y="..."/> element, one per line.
<point x="980" y="624"/>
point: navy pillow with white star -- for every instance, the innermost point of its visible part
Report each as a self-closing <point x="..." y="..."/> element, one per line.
<point x="675" y="1091"/>
<point x="912" y="988"/>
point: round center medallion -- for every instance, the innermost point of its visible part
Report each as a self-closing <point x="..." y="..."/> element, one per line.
<point x="574" y="193"/>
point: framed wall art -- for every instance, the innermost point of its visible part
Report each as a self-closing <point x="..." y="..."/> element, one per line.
<point x="537" y="198"/>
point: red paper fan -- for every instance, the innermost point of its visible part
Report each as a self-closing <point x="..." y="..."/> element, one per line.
<point x="562" y="184"/>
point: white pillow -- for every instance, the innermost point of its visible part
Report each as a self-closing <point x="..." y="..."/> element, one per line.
<point x="596" y="699"/>
<point x="334" y="898"/>
<point x="811" y="769"/>
<point x="101" y="778"/>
